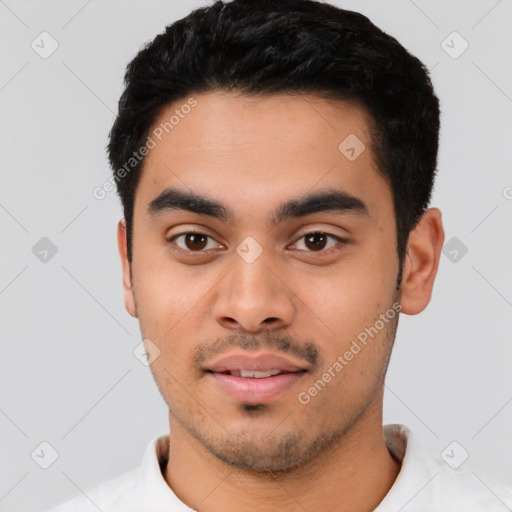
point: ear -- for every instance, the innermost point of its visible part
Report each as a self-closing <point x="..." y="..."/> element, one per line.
<point x="421" y="262"/>
<point x="129" y="297"/>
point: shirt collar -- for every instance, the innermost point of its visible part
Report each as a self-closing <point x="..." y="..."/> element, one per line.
<point x="415" y="469"/>
<point x="155" y="493"/>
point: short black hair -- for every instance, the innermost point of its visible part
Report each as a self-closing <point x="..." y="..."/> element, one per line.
<point x="265" y="47"/>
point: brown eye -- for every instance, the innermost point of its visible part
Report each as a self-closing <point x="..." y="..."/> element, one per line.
<point x="318" y="241"/>
<point x="192" y="241"/>
<point x="195" y="242"/>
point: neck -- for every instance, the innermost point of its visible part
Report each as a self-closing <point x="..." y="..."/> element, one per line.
<point x="354" y="476"/>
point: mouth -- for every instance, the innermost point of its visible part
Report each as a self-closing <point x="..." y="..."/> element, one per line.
<point x="253" y="374"/>
<point x="255" y="380"/>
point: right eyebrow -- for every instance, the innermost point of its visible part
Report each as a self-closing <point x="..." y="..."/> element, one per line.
<point x="172" y="199"/>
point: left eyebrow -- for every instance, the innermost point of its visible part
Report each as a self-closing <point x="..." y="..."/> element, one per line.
<point x="331" y="200"/>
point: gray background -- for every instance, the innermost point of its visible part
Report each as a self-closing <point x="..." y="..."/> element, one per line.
<point x="68" y="373"/>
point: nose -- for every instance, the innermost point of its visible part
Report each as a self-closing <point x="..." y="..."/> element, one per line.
<point x="253" y="297"/>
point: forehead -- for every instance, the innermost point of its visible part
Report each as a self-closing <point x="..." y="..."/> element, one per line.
<point x="256" y="150"/>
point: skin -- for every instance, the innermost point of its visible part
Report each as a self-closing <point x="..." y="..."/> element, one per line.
<point x="252" y="154"/>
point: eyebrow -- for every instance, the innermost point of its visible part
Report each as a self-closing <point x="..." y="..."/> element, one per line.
<point x="331" y="200"/>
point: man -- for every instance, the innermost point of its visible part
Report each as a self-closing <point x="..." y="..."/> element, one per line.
<point x="275" y="161"/>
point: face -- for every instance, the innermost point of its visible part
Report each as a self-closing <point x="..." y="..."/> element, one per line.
<point x="264" y="272"/>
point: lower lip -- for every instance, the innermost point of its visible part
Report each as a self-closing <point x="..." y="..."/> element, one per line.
<point x="256" y="391"/>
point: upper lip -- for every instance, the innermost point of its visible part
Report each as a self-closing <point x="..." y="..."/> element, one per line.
<point x="260" y="363"/>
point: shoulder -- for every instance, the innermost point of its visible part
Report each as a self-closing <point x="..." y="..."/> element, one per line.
<point x="142" y="488"/>
<point x="440" y="482"/>
<point x="470" y="490"/>
<point x="117" y="494"/>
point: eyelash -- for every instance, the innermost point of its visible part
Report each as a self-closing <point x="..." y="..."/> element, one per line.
<point x="201" y="252"/>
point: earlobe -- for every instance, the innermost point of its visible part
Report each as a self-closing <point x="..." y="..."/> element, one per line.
<point x="129" y="297"/>
<point x="421" y="262"/>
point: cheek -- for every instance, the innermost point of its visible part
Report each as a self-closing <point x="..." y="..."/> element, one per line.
<point x="351" y="374"/>
<point x="350" y="298"/>
<point x="163" y="291"/>
<point x="170" y="309"/>
<point x="344" y="311"/>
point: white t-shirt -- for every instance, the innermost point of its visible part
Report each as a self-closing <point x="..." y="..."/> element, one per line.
<point x="426" y="483"/>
